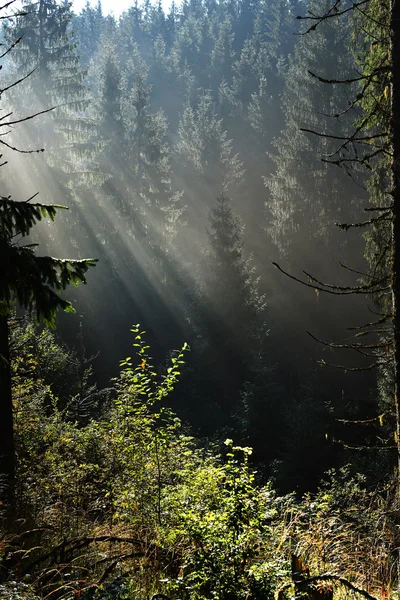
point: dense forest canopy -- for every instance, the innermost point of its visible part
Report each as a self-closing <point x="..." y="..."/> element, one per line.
<point x="231" y="169"/>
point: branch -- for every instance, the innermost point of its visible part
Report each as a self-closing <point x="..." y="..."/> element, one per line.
<point x="334" y="290"/>
<point x="355" y="271"/>
<point x="23" y="119"/>
<point x="383" y="69"/>
<point x="322" y="363"/>
<point x="372" y="324"/>
<point x="366" y="138"/>
<point x="347" y="288"/>
<point x="347" y="226"/>
<point x="81" y="543"/>
<point x="17" y="41"/>
<point x="19" y="150"/>
<point x="378" y="208"/>
<point x="328" y="577"/>
<point x="342" y="581"/>
<point x="14" y="83"/>
<point x="332" y="12"/>
<point x="363" y="421"/>
<point x="355" y="346"/>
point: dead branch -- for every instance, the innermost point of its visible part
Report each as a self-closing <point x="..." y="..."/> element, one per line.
<point x="322" y="363"/>
<point x="334" y="290"/>
<point x="377" y="71"/>
<point x="355" y="346"/>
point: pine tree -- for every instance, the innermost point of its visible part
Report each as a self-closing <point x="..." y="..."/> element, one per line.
<point x="111" y="128"/>
<point x="227" y="316"/>
<point x="156" y="206"/>
<point x="130" y="32"/>
<point x="48" y="48"/>
<point x="307" y="196"/>
<point x="205" y="160"/>
<point x="222" y="54"/>
<point x="34" y="282"/>
<point x="89" y="27"/>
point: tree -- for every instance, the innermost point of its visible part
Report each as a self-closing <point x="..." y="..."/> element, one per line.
<point x="228" y="318"/>
<point x="150" y="168"/>
<point x="307" y="196"/>
<point x="372" y="143"/>
<point x="205" y="160"/>
<point x="34" y="282"/>
<point x="48" y="50"/>
<point x="89" y="26"/>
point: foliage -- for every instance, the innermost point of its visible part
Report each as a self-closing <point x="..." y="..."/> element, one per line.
<point x="34" y="281"/>
<point x="118" y="589"/>
<point x="128" y="504"/>
<point x="17" y="591"/>
<point x="178" y="108"/>
<point x="122" y="501"/>
<point x="137" y="476"/>
<point x="346" y="528"/>
<point x="229" y="539"/>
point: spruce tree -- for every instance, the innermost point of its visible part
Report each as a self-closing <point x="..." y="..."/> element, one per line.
<point x="306" y="195"/>
<point x="205" y="159"/>
<point x="89" y="27"/>
<point x="152" y="202"/>
<point x="228" y="320"/>
<point x="48" y="48"/>
<point x="34" y="283"/>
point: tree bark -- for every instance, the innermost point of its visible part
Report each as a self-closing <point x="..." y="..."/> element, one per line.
<point x="395" y="140"/>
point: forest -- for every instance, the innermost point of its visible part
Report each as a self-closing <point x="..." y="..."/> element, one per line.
<point x="199" y="300"/>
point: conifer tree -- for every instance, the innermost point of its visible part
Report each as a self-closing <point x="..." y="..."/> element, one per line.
<point x="89" y="27"/>
<point x="48" y="48"/>
<point x="205" y="156"/>
<point x="307" y="195"/>
<point x="32" y="281"/>
<point x="35" y="283"/>
<point x="156" y="207"/>
<point x="222" y="54"/>
<point x="111" y="127"/>
<point x="228" y="317"/>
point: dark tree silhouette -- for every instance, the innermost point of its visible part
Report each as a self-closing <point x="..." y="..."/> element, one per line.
<point x="34" y="282"/>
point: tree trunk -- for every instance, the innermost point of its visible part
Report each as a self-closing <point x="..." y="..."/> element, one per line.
<point x="7" y="456"/>
<point x="395" y="139"/>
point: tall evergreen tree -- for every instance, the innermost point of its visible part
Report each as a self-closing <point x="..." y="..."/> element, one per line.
<point x="48" y="48"/>
<point x="307" y="196"/>
<point x="205" y="160"/>
<point x="152" y="200"/>
<point x="228" y="320"/>
<point x="89" y="27"/>
<point x="34" y="282"/>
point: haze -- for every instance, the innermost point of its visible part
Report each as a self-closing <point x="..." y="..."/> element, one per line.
<point x="178" y="149"/>
<point x="116" y="7"/>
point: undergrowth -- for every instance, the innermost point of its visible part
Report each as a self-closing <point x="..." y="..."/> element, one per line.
<point x="127" y="504"/>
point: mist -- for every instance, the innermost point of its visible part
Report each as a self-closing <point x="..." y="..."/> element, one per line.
<point x="175" y="144"/>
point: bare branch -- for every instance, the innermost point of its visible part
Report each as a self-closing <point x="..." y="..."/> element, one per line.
<point x="18" y="150"/>
<point x="322" y="363"/>
<point x="14" y="83"/>
<point x="334" y="290"/>
<point x="347" y="226"/>
<point x="331" y="13"/>
<point x="355" y="346"/>
<point x="23" y="119"/>
<point x="382" y="69"/>
<point x="366" y="138"/>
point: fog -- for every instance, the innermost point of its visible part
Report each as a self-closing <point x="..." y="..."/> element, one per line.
<point x="176" y="146"/>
